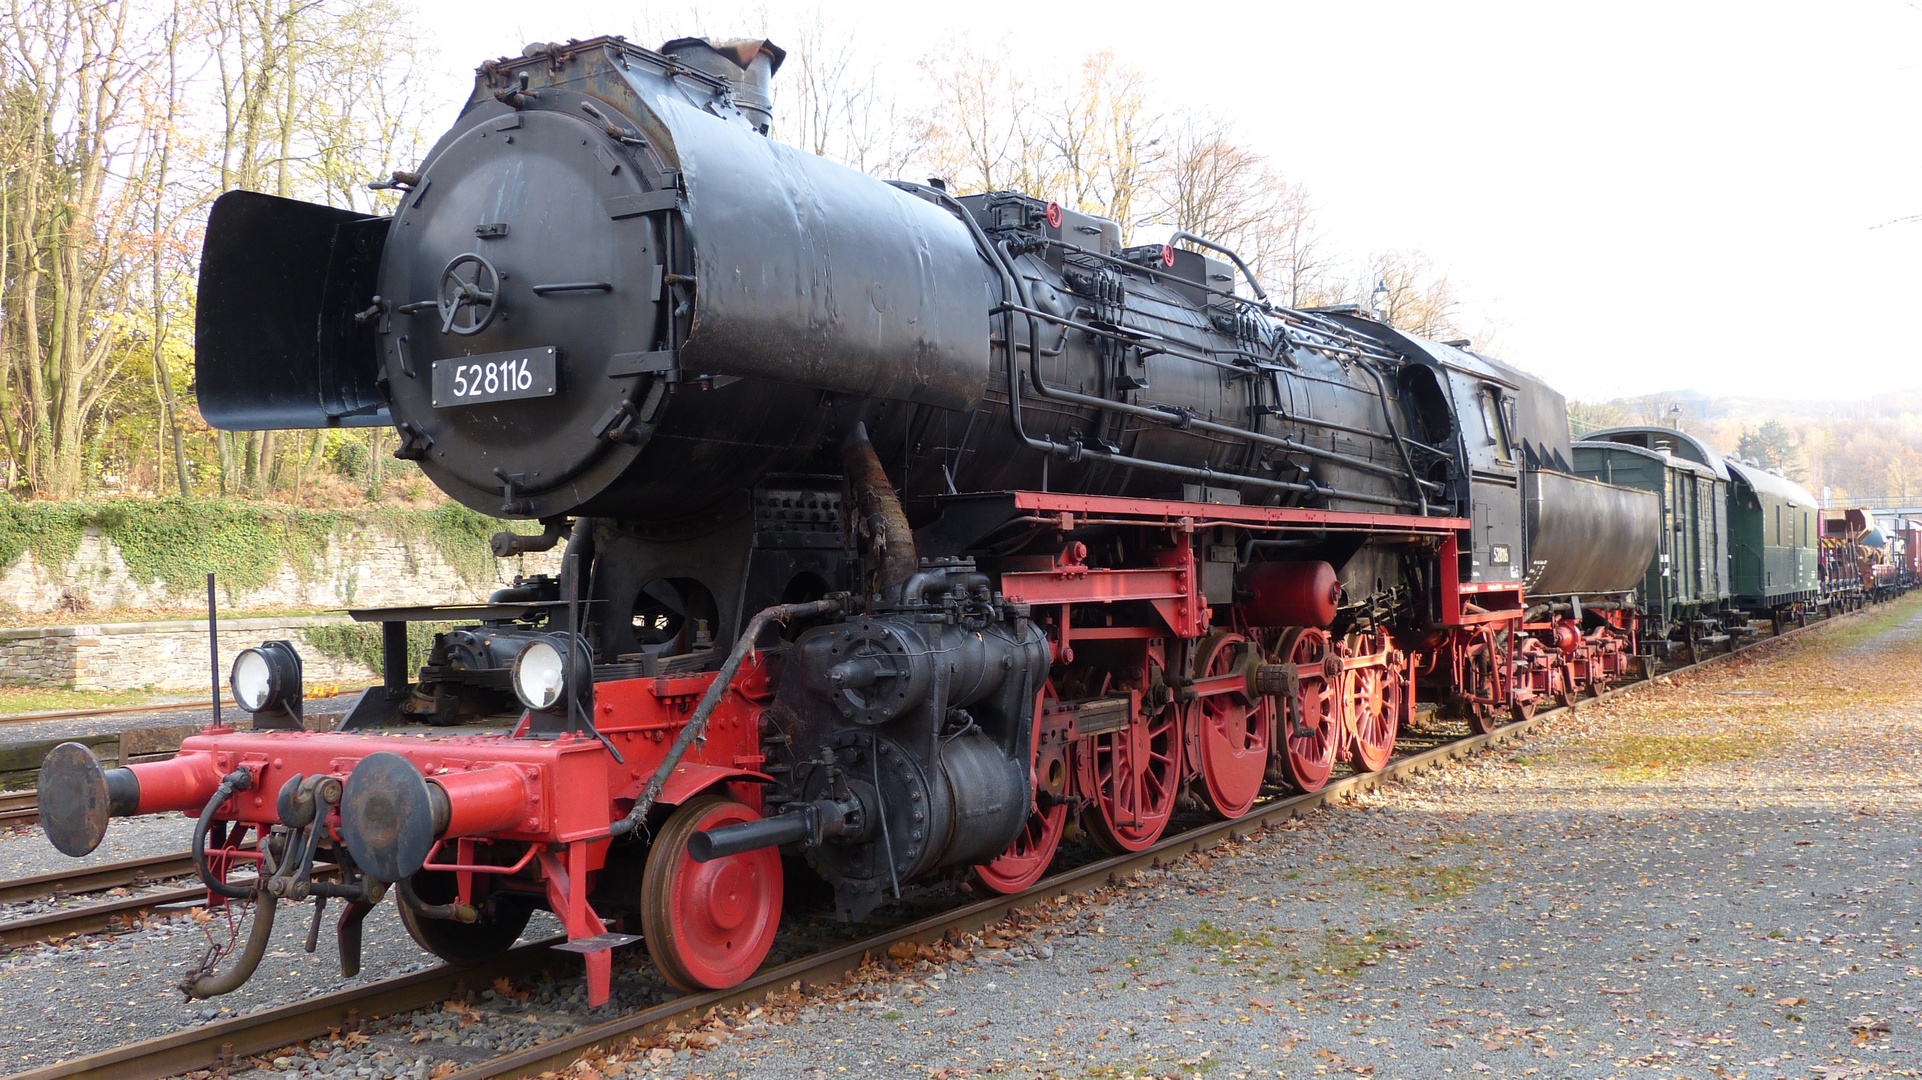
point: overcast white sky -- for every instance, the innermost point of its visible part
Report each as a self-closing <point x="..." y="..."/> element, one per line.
<point x="1642" y="196"/>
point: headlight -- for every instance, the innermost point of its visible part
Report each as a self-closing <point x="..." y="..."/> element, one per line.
<point x="540" y="675"/>
<point x="267" y="677"/>
<point x="252" y="680"/>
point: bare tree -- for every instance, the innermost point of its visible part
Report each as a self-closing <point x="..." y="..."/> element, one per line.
<point x="1106" y="141"/>
<point x="79" y="93"/>
<point x="1411" y="294"/>
<point x="830" y="102"/>
<point x="1587" y="416"/>
<point x="166" y="257"/>
<point x="1213" y="186"/>
<point x="1665" y="410"/>
<point x="987" y="129"/>
<point x="315" y="100"/>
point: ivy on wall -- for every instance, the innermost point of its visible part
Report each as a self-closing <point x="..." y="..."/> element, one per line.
<point x="360" y="642"/>
<point x="50" y="530"/>
<point x="179" y="542"/>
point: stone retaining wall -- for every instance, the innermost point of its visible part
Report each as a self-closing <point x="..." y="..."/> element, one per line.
<point x="157" y="655"/>
<point x="365" y="567"/>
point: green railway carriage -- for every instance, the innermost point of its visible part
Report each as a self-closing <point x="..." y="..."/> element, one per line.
<point x="1687" y="582"/>
<point x="1773" y="541"/>
<point x="1739" y="539"/>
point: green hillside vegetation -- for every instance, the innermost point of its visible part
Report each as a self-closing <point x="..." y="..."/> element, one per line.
<point x="1865" y="452"/>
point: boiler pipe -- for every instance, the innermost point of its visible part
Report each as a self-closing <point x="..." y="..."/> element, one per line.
<point x="703" y="712"/>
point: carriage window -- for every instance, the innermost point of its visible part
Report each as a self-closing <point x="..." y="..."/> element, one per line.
<point x="1778" y="526"/>
<point x="1497" y="423"/>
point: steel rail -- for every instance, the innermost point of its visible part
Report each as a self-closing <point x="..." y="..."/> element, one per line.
<point x="218" y="1045"/>
<point x="92" y="918"/>
<point x="19" y="807"/>
<point x="113" y="710"/>
<point x="119" y="914"/>
<point x="88" y="879"/>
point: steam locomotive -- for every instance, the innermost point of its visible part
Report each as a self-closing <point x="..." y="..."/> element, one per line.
<point x="903" y="532"/>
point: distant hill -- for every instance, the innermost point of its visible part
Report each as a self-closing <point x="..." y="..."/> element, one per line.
<point x="1867" y="450"/>
<point x="1889" y="404"/>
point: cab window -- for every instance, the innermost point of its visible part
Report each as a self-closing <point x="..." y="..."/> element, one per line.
<point x="1496" y="420"/>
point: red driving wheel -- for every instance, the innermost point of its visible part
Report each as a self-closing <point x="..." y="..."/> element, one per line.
<point x="1371" y="697"/>
<point x="1227" y="733"/>
<point x="1306" y="744"/>
<point x="1131" y="776"/>
<point x="708" y="925"/>
<point x="1481" y="688"/>
<point x="1027" y="859"/>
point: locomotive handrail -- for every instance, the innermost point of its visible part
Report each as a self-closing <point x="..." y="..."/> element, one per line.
<point x="696" y="726"/>
<point x="1247" y="274"/>
<point x="1155" y="345"/>
<point x="478" y="868"/>
<point x="1286" y="315"/>
<point x="1381" y="394"/>
<point x="1181" y="419"/>
<point x="1204" y="474"/>
<point x="1296" y="418"/>
<point x="997" y="254"/>
<point x="1359" y="346"/>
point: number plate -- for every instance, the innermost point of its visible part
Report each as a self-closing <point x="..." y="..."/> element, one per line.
<point x="501" y="376"/>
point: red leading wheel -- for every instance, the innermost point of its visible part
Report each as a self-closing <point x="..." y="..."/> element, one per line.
<point x="1371" y="701"/>
<point x="1131" y="776"/>
<point x="1027" y="859"/>
<point x="1305" y="745"/>
<point x="1228" y="734"/>
<point x="708" y="925"/>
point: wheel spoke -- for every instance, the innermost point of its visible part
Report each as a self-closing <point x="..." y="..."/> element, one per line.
<point x="1132" y="777"/>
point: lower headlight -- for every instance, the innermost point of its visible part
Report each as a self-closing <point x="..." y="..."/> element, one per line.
<point x="266" y="677"/>
<point x="540" y="675"/>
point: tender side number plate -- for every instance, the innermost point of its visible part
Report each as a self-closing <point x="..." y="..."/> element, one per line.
<point x="501" y="376"/>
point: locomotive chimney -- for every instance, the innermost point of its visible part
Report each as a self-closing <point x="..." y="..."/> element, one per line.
<point x="748" y="65"/>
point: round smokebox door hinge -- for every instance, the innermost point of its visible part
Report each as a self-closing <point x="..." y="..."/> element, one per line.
<point x="468" y="295"/>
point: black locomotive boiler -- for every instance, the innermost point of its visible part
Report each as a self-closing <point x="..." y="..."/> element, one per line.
<point x="902" y="529"/>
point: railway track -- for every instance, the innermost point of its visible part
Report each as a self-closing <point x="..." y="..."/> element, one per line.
<point x="19" y="808"/>
<point x="222" y="1044"/>
<point x="115" y="710"/>
<point x="100" y="878"/>
<point x="123" y="913"/>
<point x="226" y="702"/>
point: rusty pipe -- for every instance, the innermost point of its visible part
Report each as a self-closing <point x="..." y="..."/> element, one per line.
<point x="697" y="723"/>
<point x="206" y="984"/>
<point x="890" y="539"/>
<point x="237" y="781"/>
<point x="454" y="912"/>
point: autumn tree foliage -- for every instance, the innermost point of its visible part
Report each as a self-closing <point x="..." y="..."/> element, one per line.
<point x="122" y="120"/>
